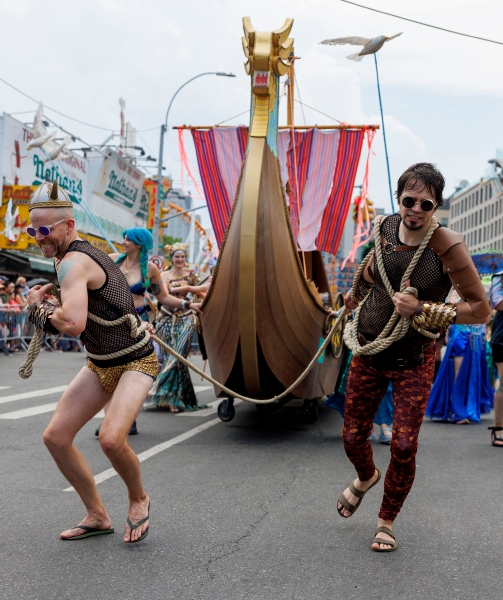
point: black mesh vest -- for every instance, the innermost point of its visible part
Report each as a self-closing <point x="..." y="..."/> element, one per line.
<point x="428" y="277"/>
<point x="111" y="301"/>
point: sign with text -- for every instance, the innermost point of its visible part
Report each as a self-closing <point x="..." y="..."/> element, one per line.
<point x="151" y="187"/>
<point x="121" y="181"/>
<point x="14" y="216"/>
<point x="22" y="167"/>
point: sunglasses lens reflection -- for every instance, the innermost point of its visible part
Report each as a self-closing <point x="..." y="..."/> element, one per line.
<point x="31" y="231"/>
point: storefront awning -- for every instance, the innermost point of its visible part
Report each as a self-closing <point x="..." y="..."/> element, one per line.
<point x="39" y="263"/>
<point x="15" y="263"/>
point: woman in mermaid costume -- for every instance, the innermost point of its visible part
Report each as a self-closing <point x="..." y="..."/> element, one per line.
<point x="173" y="389"/>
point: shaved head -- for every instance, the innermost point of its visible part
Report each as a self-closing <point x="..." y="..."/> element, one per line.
<point x="51" y="215"/>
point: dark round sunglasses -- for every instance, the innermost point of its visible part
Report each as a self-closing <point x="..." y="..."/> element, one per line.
<point x="426" y="205"/>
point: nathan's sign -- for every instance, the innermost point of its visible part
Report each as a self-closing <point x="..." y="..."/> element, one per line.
<point x="121" y="181"/>
<point x="19" y="194"/>
<point x="21" y="167"/>
<point x="14" y="216"/>
<point x="47" y="172"/>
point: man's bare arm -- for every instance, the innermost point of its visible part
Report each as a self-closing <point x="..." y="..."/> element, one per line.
<point x="71" y="316"/>
<point x="160" y="291"/>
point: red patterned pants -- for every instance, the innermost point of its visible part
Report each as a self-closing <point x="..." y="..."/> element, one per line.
<point x="365" y="388"/>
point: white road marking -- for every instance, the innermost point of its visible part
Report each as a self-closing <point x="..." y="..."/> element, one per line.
<point x="202" y="388"/>
<point x="104" y="475"/>
<point x="4" y="387"/>
<point x="205" y="412"/>
<point x="34" y="394"/>
<point x="29" y="412"/>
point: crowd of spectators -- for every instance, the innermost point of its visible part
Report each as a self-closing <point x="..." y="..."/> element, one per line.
<point x="12" y="300"/>
<point x="13" y="325"/>
<point x="13" y="294"/>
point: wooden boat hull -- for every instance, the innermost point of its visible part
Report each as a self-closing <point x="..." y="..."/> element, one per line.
<point x="262" y="320"/>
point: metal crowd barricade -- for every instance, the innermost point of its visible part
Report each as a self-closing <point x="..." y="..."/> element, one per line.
<point x="14" y="326"/>
<point x="13" y="321"/>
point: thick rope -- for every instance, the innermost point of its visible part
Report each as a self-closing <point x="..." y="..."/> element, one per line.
<point x="233" y="394"/>
<point x="382" y="342"/>
<point x="26" y="369"/>
<point x="136" y="330"/>
<point x="350" y="335"/>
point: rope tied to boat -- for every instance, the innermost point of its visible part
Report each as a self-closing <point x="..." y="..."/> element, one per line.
<point x="350" y="334"/>
<point x="26" y="368"/>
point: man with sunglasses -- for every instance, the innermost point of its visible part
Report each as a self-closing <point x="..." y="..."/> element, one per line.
<point x="92" y="285"/>
<point x="409" y="362"/>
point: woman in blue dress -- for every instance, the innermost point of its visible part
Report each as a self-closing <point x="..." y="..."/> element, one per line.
<point x="462" y="390"/>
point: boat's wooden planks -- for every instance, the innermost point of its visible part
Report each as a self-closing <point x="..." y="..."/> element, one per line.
<point x="220" y="319"/>
<point x="289" y="320"/>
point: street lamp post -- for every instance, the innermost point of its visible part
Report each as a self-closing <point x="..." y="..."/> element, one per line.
<point x="164" y="128"/>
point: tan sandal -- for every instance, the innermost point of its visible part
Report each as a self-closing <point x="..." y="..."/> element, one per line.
<point x="393" y="544"/>
<point x="356" y="492"/>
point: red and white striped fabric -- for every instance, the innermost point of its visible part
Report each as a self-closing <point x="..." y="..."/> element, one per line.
<point x="319" y="166"/>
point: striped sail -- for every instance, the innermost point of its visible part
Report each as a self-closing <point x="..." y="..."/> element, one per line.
<point x="318" y="192"/>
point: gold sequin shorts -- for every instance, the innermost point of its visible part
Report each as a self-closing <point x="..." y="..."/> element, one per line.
<point x="109" y="376"/>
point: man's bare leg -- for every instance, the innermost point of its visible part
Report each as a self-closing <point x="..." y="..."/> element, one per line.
<point x="123" y="409"/>
<point x="83" y="399"/>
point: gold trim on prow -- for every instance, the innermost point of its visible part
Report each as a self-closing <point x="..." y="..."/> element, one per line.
<point x="247" y="267"/>
<point x="260" y="117"/>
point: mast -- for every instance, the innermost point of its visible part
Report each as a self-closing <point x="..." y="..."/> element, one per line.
<point x="291" y="91"/>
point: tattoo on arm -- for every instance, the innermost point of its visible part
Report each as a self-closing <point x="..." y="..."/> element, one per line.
<point x="156" y="289"/>
<point x="64" y="267"/>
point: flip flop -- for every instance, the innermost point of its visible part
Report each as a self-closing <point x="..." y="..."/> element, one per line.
<point x="90" y="531"/>
<point x="358" y="493"/>
<point x="136" y="525"/>
<point x="393" y="544"/>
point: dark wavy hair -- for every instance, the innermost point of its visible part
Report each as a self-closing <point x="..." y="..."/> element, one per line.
<point x="428" y="175"/>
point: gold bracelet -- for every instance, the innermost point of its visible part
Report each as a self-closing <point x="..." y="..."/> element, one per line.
<point x="39" y="314"/>
<point x="435" y="315"/>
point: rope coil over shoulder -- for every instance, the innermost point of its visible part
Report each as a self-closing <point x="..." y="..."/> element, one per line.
<point x="384" y="339"/>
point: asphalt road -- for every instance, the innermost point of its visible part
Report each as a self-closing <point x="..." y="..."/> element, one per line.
<point x="242" y="510"/>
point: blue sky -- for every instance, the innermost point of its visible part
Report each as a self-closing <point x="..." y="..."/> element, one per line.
<point x="442" y="94"/>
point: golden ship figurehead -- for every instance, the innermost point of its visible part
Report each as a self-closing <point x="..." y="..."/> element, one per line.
<point x="267" y="54"/>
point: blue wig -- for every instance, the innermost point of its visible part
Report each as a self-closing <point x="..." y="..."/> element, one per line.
<point x="141" y="237"/>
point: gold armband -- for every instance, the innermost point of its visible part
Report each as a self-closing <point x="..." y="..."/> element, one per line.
<point x="435" y="315"/>
<point x="39" y="314"/>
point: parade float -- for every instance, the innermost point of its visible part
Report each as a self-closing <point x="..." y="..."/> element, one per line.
<point x="277" y="197"/>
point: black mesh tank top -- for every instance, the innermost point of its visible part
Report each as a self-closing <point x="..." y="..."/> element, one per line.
<point x="111" y="301"/>
<point x="428" y="277"/>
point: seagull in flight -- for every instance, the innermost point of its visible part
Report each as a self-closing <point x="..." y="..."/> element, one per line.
<point x="370" y="46"/>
